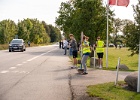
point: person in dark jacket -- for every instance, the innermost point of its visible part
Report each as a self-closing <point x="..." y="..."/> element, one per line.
<point x="75" y="50"/>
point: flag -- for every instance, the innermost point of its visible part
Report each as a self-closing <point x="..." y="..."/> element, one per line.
<point x="123" y="3"/>
<point x="112" y="2"/>
<point x="119" y="2"/>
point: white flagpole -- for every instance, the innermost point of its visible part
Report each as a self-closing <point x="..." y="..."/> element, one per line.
<point x="138" y="84"/>
<point x="107" y="37"/>
<point x="81" y="47"/>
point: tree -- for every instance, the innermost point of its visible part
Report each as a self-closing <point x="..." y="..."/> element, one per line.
<point x="88" y="16"/>
<point x="132" y="31"/>
<point x="8" y="30"/>
<point x="32" y="30"/>
<point x="24" y="29"/>
<point x="118" y="26"/>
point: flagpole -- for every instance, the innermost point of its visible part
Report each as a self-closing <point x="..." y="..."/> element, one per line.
<point x="107" y="38"/>
<point x="138" y="84"/>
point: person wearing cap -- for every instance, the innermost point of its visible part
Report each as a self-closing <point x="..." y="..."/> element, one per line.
<point x="74" y="47"/>
<point x="100" y="51"/>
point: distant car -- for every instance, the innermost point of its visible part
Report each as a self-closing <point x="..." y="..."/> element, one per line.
<point x="111" y="45"/>
<point x="17" y="44"/>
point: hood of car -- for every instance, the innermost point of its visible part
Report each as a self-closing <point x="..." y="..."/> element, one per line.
<point x="16" y="44"/>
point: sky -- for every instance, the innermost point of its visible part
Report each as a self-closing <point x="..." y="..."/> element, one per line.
<point x="46" y="10"/>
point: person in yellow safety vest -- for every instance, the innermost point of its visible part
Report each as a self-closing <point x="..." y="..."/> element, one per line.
<point x="100" y="51"/>
<point x="86" y="52"/>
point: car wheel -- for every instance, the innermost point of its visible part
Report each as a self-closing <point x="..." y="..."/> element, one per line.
<point x="24" y="49"/>
<point x="10" y="50"/>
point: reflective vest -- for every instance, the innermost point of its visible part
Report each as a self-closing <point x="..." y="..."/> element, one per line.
<point x="100" y="47"/>
<point x="86" y="49"/>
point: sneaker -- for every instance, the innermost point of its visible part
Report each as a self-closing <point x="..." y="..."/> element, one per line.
<point x="100" y="67"/>
<point x="84" y="73"/>
<point x="72" y="67"/>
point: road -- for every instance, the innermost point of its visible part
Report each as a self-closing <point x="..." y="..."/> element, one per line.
<point x="39" y="73"/>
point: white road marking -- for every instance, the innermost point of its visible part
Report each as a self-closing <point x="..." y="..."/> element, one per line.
<point x="40" y="55"/>
<point x="33" y="58"/>
<point x="43" y="54"/>
<point x="3" y="72"/>
<point x="20" y="72"/>
<point x="12" y="68"/>
<point x="19" y="64"/>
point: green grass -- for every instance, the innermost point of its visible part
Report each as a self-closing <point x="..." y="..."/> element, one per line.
<point x="113" y="54"/>
<point x="109" y="91"/>
<point x="124" y="54"/>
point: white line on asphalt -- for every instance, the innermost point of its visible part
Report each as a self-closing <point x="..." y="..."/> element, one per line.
<point x="41" y="55"/>
<point x="33" y="58"/>
<point x="19" y="64"/>
<point x="12" y="68"/>
<point x="3" y="72"/>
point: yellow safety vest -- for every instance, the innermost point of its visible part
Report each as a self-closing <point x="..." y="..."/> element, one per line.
<point x="100" y="47"/>
<point x="86" y="49"/>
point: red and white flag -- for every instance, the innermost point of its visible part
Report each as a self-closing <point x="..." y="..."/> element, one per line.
<point x="119" y="2"/>
<point x="112" y="2"/>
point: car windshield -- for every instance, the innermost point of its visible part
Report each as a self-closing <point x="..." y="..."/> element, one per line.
<point x="16" y="41"/>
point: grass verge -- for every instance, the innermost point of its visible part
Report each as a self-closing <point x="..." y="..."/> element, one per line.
<point x="113" y="54"/>
<point x="108" y="91"/>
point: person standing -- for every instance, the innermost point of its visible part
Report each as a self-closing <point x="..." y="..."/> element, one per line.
<point x="60" y="44"/>
<point x="29" y="43"/>
<point x="86" y="53"/>
<point x="65" y="44"/>
<point x="70" y="49"/>
<point x="73" y="45"/>
<point x="100" y="51"/>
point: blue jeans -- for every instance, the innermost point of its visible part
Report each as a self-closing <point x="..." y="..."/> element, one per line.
<point x="70" y="51"/>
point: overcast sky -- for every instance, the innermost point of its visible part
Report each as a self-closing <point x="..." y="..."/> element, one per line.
<point x="47" y="10"/>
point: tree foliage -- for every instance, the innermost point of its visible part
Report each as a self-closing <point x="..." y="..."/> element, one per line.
<point x="8" y="30"/>
<point x="31" y="30"/>
<point x="132" y="31"/>
<point x="88" y="16"/>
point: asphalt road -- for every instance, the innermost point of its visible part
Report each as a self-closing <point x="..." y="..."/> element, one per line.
<point x="39" y="73"/>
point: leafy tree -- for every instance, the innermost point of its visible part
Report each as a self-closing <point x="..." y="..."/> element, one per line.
<point x="24" y="29"/>
<point x="32" y="30"/>
<point x="8" y="30"/>
<point x="118" y="26"/>
<point x="38" y="33"/>
<point x="132" y="31"/>
<point x="88" y="16"/>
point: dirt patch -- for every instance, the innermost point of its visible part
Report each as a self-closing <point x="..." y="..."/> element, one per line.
<point x="86" y="97"/>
